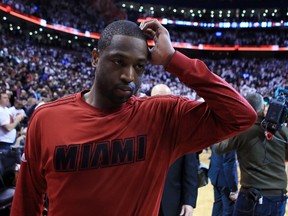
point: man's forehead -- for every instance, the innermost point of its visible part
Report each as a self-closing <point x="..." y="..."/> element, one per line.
<point x="127" y="45"/>
<point x="126" y="38"/>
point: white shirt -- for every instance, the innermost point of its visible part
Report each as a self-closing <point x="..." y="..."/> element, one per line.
<point x="6" y="117"/>
<point x="15" y="112"/>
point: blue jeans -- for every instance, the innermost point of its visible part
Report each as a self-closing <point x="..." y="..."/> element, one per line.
<point x="271" y="206"/>
<point x="5" y="146"/>
<point x="223" y="205"/>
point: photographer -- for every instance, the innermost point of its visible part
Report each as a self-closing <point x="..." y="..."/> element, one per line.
<point x="262" y="165"/>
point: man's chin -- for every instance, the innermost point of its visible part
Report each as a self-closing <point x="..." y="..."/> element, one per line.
<point x="122" y="100"/>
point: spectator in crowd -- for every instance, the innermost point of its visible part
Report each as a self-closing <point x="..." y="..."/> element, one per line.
<point x="17" y="109"/>
<point x="262" y="165"/>
<point x="8" y="124"/>
<point x="223" y="175"/>
<point x="104" y="151"/>
<point x="181" y="185"/>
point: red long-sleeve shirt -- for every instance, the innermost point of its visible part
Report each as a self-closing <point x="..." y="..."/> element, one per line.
<point x="114" y="162"/>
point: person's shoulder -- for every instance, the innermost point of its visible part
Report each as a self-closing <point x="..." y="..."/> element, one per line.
<point x="61" y="101"/>
<point x="12" y="109"/>
<point x="4" y="109"/>
<point x="284" y="131"/>
<point x="56" y="105"/>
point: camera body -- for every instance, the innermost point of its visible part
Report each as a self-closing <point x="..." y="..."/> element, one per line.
<point x="277" y="112"/>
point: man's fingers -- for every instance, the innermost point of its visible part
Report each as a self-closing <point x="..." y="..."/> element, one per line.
<point x="149" y="32"/>
<point x="152" y="24"/>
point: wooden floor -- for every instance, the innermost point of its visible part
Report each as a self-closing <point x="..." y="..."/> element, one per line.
<point x="205" y="194"/>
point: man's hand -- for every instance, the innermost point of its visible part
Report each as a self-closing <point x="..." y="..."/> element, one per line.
<point x="233" y="196"/>
<point x="19" y="118"/>
<point x="163" y="50"/>
<point x="187" y="210"/>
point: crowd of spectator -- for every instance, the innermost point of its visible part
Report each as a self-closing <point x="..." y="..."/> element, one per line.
<point x="230" y="37"/>
<point x="85" y="16"/>
<point x="89" y="16"/>
<point x="30" y="68"/>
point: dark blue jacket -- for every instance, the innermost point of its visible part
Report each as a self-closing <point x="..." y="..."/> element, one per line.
<point x="223" y="170"/>
<point x="181" y="185"/>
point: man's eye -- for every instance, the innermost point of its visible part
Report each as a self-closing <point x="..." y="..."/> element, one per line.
<point x="140" y="67"/>
<point x="118" y="62"/>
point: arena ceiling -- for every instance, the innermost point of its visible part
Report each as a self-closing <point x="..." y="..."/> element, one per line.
<point x="215" y="3"/>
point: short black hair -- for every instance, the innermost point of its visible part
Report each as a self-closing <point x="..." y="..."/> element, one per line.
<point x="119" y="27"/>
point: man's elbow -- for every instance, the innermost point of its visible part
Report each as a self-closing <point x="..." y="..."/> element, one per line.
<point x="246" y="119"/>
<point x="251" y="117"/>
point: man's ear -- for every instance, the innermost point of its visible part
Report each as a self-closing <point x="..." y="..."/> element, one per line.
<point x="95" y="57"/>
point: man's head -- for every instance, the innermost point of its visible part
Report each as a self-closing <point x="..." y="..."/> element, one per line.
<point x="257" y="102"/>
<point x="18" y="104"/>
<point x="4" y="99"/>
<point x="120" y="62"/>
<point x="120" y="27"/>
<point x="160" y="89"/>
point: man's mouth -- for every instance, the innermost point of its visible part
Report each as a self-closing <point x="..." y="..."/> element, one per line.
<point x="124" y="91"/>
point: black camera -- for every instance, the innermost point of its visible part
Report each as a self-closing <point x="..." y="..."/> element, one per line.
<point x="277" y="111"/>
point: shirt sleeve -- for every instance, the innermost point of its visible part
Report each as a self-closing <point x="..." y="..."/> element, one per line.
<point x="223" y="114"/>
<point x="225" y="146"/>
<point x="4" y="118"/>
<point x="31" y="186"/>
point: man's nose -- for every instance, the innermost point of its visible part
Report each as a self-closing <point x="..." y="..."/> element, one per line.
<point x="128" y="74"/>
